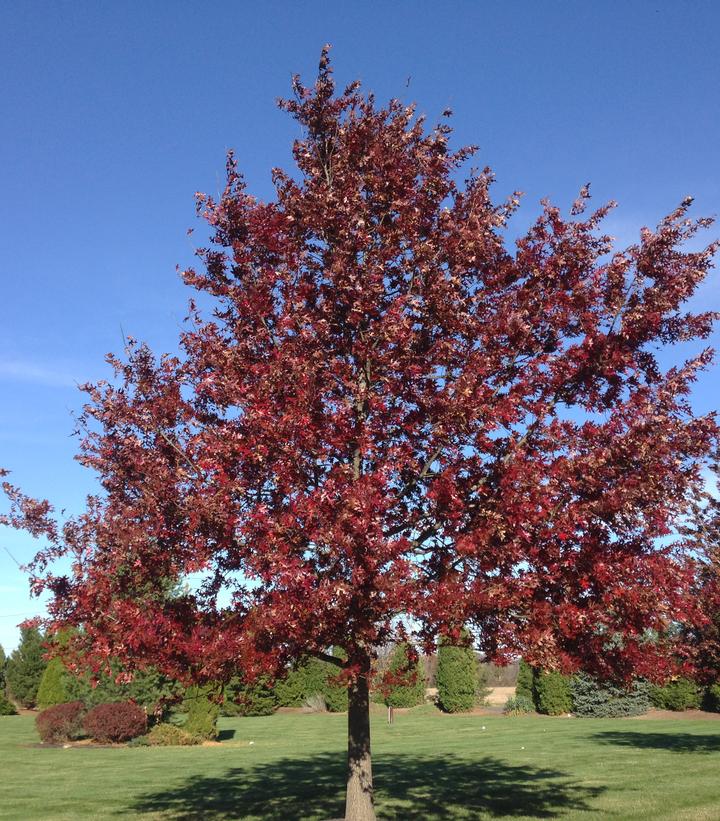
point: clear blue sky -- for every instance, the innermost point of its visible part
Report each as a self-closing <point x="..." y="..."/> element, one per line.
<point x="114" y="114"/>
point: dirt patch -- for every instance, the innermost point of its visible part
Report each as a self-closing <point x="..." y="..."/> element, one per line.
<point x="83" y="744"/>
<point x="499" y="695"/>
<point x="672" y="715"/>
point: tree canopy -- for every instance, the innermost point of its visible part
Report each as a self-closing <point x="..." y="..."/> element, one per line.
<point x="394" y="415"/>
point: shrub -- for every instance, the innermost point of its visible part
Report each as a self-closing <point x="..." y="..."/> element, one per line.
<point x="518" y="706"/>
<point x="256" y="699"/>
<point x="552" y="693"/>
<point x="63" y="722"/>
<point x="594" y="699"/>
<point x="315" y="704"/>
<point x="52" y="689"/>
<point x="114" y="722"/>
<point x="26" y="666"/>
<point x="711" y="698"/>
<point x="203" y="710"/>
<point x="7" y="708"/>
<point x="678" y="694"/>
<point x="457" y="677"/>
<point x="409" y="691"/>
<point x="170" y="735"/>
<point x="524" y="685"/>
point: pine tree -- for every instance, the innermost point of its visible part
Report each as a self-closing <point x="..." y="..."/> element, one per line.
<point x="457" y="677"/>
<point x="409" y="689"/>
<point x="3" y="664"/>
<point x="25" y="667"/>
<point x="203" y="711"/>
<point x="525" y="681"/>
<point x="52" y="689"/>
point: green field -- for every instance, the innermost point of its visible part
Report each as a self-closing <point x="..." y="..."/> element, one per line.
<point x="427" y="766"/>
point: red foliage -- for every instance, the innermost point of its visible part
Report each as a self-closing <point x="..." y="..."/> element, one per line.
<point x="63" y="722"/>
<point x="701" y="641"/>
<point x="119" y="721"/>
<point x="395" y="413"/>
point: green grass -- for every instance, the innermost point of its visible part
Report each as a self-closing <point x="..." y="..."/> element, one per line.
<point x="427" y="766"/>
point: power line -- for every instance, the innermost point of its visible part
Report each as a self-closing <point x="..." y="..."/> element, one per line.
<point x="17" y="615"/>
<point x="12" y="557"/>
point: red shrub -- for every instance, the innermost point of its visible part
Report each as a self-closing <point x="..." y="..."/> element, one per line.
<point x="63" y="722"/>
<point x="120" y="721"/>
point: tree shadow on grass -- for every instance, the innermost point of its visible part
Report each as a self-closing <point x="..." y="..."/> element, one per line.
<point x="226" y="735"/>
<point x="407" y="788"/>
<point x="675" y="742"/>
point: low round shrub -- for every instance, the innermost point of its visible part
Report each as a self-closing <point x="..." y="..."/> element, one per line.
<point x="119" y="721"/>
<point x="62" y="722"/>
<point x="552" y="692"/>
<point x="678" y="695"/>
<point x="518" y="706"/>
<point x="170" y="735"/>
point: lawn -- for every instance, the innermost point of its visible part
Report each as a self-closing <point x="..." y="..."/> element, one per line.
<point x="427" y="766"/>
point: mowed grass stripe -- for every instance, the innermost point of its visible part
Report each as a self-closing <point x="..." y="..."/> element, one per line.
<point x="427" y="766"/>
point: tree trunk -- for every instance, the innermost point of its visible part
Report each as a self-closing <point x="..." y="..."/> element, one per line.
<point x="359" y="800"/>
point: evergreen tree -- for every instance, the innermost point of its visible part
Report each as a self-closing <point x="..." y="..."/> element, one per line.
<point x="148" y="688"/>
<point x="244" y="699"/>
<point x="457" y="677"/>
<point x="52" y="689"/>
<point x="6" y="706"/>
<point x="525" y="681"/>
<point x="553" y="695"/>
<point x="203" y="708"/>
<point x="408" y="692"/>
<point x="25" y="667"/>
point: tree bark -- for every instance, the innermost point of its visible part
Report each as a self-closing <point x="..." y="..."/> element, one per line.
<point x="359" y="798"/>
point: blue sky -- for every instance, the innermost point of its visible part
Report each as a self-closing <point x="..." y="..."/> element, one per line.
<point x="114" y="114"/>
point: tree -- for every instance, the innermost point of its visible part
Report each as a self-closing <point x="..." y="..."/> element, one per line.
<point x="552" y="692"/>
<point x="26" y="666"/>
<point x="393" y="415"/>
<point x="3" y="664"/>
<point x="457" y="677"/>
<point x="52" y="689"/>
<point x="150" y="689"/>
<point x="702" y="530"/>
<point x="203" y="707"/>
<point x="256" y="699"/>
<point x="404" y="681"/>
<point x="525" y="681"/>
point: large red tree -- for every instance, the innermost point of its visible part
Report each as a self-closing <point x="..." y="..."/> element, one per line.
<point x="394" y="416"/>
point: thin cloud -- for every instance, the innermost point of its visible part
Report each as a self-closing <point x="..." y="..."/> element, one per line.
<point x="14" y="370"/>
